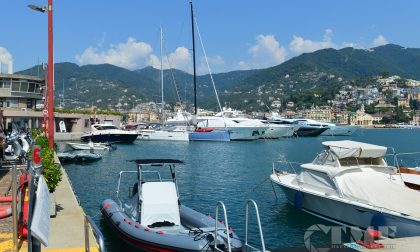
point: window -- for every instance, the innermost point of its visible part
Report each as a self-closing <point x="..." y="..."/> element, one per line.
<point x="29" y="103"/>
<point x="24" y="86"/>
<point x="31" y="87"/>
<point x="12" y="103"/>
<point x="16" y="86"/>
<point x="6" y="83"/>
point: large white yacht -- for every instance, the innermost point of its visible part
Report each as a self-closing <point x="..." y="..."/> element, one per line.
<point x="351" y="184"/>
<point x="239" y="126"/>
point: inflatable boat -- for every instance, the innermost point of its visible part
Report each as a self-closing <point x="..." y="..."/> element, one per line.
<point x="153" y="217"/>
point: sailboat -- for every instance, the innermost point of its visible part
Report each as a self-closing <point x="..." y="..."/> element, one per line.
<point x="202" y="133"/>
<point x="168" y="134"/>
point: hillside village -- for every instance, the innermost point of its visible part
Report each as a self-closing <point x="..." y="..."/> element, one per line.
<point x="384" y="101"/>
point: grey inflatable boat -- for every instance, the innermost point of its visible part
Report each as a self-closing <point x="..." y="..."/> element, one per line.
<point x="153" y="217"/>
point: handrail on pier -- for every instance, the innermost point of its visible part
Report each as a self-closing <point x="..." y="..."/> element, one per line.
<point x="219" y="203"/>
<point x="96" y="232"/>
<point x="247" y="246"/>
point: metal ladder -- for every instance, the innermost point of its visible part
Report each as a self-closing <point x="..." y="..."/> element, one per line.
<point x="248" y="247"/>
<point x="220" y="204"/>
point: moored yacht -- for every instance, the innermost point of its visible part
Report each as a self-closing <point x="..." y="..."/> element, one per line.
<point x="108" y="133"/>
<point x="351" y="184"/>
<point x="277" y="130"/>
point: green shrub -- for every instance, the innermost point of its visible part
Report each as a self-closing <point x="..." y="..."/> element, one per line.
<point x="51" y="171"/>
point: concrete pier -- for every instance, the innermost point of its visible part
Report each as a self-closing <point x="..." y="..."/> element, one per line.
<point x="407" y="244"/>
<point x="66" y="228"/>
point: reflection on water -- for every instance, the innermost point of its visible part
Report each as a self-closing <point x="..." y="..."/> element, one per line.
<point x="230" y="172"/>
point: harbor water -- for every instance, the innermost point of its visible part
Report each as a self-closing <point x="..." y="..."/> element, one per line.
<point x="231" y="172"/>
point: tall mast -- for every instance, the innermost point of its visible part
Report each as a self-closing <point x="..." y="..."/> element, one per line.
<point x="193" y="44"/>
<point x="161" y="73"/>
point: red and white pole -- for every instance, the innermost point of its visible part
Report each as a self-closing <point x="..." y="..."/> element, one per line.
<point x="51" y="122"/>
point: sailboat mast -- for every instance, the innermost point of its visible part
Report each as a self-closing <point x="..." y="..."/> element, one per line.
<point x="193" y="49"/>
<point x="161" y="74"/>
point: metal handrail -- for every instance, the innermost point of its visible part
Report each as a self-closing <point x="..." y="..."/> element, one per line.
<point x="96" y="232"/>
<point x="248" y="202"/>
<point x="220" y="203"/>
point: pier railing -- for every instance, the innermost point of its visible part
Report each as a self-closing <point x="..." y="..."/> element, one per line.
<point x="96" y="232"/>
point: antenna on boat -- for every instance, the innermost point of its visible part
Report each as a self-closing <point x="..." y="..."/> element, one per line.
<point x="193" y="49"/>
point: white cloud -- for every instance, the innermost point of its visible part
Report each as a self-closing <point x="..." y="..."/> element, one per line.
<point x="131" y="54"/>
<point x="379" y="41"/>
<point x="265" y="53"/>
<point x="179" y="59"/>
<point x="5" y="55"/>
<point x="300" y="45"/>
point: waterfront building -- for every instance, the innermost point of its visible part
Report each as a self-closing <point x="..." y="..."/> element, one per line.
<point x="321" y="114"/>
<point x="22" y="100"/>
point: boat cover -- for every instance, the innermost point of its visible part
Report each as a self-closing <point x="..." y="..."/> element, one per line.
<point x="347" y="148"/>
<point x="380" y="190"/>
<point x="159" y="203"/>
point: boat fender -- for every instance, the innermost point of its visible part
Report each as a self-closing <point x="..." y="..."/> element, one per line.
<point x="148" y="229"/>
<point x="137" y="225"/>
<point x="298" y="200"/>
<point x="378" y="220"/>
<point x="160" y="232"/>
<point x="107" y="206"/>
<point x="117" y="223"/>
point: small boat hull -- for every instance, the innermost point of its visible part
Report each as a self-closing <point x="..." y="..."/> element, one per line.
<point x="161" y="239"/>
<point x="343" y="213"/>
<point x="163" y="135"/>
<point x="82" y="146"/>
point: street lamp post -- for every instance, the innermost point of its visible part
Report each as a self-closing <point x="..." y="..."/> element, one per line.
<point x="50" y="71"/>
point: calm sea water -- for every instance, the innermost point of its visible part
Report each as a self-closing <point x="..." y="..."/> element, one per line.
<point x="231" y="172"/>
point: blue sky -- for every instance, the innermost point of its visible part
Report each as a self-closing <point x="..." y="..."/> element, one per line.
<point x="237" y="34"/>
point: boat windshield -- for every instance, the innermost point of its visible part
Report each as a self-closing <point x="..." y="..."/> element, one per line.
<point x="105" y="127"/>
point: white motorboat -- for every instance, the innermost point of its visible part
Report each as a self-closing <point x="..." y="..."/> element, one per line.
<point x="351" y="184"/>
<point x="89" y="146"/>
<point x="239" y="128"/>
<point x="102" y="133"/>
<point x="170" y="135"/>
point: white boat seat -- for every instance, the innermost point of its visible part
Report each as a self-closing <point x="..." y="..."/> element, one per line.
<point x="159" y="203"/>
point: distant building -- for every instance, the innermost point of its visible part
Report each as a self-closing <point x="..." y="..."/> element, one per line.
<point x="365" y="119"/>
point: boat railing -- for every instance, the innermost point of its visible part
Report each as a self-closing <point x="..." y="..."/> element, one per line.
<point x="285" y="167"/>
<point x="119" y="184"/>
<point x="96" y="232"/>
<point x="216" y="230"/>
<point x="247" y="246"/>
